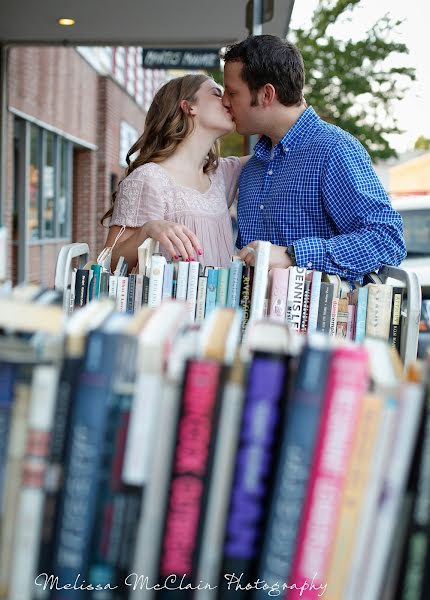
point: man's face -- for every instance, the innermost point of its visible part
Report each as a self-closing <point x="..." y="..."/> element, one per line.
<point x="237" y="99"/>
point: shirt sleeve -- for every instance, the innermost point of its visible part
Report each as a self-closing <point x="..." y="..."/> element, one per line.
<point x="370" y="231"/>
<point x="139" y="199"/>
<point x="230" y="168"/>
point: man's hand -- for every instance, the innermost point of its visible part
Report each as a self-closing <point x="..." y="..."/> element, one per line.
<point x="278" y="256"/>
<point x="177" y="239"/>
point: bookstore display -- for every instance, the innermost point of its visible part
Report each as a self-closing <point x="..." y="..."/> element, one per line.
<point x="212" y="433"/>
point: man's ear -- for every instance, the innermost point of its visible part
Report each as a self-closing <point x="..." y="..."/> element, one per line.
<point x="268" y="95"/>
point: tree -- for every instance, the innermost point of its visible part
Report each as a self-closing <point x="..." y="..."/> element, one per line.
<point x="348" y="82"/>
<point x="422" y="143"/>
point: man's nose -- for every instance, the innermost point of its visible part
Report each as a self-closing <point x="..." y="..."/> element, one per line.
<point x="225" y="100"/>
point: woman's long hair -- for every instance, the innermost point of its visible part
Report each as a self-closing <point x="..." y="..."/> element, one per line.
<point x="166" y="126"/>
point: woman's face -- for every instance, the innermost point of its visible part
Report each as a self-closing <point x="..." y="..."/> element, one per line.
<point x="209" y="111"/>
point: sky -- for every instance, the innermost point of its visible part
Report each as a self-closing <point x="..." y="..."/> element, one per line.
<point x="413" y="112"/>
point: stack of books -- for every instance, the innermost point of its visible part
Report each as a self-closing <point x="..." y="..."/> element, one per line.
<point x="306" y="299"/>
<point x="145" y="453"/>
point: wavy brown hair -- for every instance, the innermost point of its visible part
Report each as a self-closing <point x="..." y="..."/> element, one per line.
<point x="166" y="126"/>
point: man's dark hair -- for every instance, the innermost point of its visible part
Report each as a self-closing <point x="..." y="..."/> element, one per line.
<point x="268" y="59"/>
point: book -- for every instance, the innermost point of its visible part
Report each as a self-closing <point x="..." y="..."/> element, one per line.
<point x="260" y="280"/>
<point x="325" y="307"/>
<point x="222" y="286"/>
<point x="201" y="298"/>
<point x="234" y="284"/>
<point x="396" y="320"/>
<point x="193" y="282"/>
<point x="296" y="288"/>
<point x="81" y="287"/>
<point x="246" y="294"/>
<point x="182" y="280"/>
<point x="379" y="310"/>
<point x="211" y="290"/>
<point x="155" y="292"/>
<point x="278" y="289"/>
<point x="306" y="302"/>
<point x="314" y="301"/>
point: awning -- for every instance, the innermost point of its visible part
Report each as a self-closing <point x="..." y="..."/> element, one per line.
<point x="151" y="23"/>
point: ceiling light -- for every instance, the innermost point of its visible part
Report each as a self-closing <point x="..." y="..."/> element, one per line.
<point x="66" y="21"/>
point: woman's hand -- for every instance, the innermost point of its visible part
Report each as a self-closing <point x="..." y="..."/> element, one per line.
<point x="177" y="239"/>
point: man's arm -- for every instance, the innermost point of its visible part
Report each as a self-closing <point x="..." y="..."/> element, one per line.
<point x="370" y="231"/>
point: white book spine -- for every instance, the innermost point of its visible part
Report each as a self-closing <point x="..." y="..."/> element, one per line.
<point x="142" y="429"/>
<point x="394" y="485"/>
<point x="168" y="281"/>
<point x="201" y="298"/>
<point x="333" y="316"/>
<point x="193" y="282"/>
<point x="31" y="501"/>
<point x="182" y="281"/>
<point x="71" y="303"/>
<point x="156" y="280"/>
<point x="314" y="302"/>
<point x="121" y="295"/>
<point x="296" y="289"/>
<point x="113" y="286"/>
<point x="259" y="287"/>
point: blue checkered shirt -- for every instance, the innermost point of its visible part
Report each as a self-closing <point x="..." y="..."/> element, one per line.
<point x="318" y="191"/>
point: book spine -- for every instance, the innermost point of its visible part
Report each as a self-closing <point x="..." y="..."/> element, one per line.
<point x="314" y="301"/>
<point x="193" y="282"/>
<point x="156" y="280"/>
<point x="30" y="506"/>
<point x="211" y="291"/>
<point x="131" y="290"/>
<point x="333" y="316"/>
<point x="145" y="290"/>
<point x="350" y="323"/>
<point x="379" y="310"/>
<point x="182" y="280"/>
<point x="361" y="314"/>
<point x="81" y="288"/>
<point x="298" y="436"/>
<point x="296" y="288"/>
<point x="355" y="489"/>
<point x="94" y="290"/>
<point x="7" y="377"/>
<point x="138" y="291"/>
<point x="245" y="298"/>
<point x="104" y="284"/>
<point x="264" y="397"/>
<point x="222" y="287"/>
<point x="306" y="302"/>
<point x="201" y="298"/>
<point x="113" y="286"/>
<point x="396" y="321"/>
<point x="278" y="289"/>
<point x="234" y="284"/>
<point x="71" y="299"/>
<point x="83" y="462"/>
<point x="260" y="280"/>
<point x="342" y="318"/>
<point x="346" y="385"/>
<point x="168" y="281"/>
<point x="121" y="296"/>
<point x="325" y="305"/>
<point x="195" y="436"/>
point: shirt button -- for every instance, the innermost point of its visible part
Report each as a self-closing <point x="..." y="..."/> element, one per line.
<point x="309" y="264"/>
<point x="261" y="206"/>
<point x="286" y="149"/>
<point x="270" y="172"/>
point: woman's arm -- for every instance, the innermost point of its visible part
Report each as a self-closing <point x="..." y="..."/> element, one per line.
<point x="177" y="239"/>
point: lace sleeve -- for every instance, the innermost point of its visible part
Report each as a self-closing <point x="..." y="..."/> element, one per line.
<point x="139" y="199"/>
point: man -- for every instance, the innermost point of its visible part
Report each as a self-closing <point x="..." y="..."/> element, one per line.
<point x="310" y="188"/>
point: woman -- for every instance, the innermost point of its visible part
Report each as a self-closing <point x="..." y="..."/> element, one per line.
<point x="177" y="190"/>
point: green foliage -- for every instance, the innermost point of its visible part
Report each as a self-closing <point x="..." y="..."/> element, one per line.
<point x="422" y="143"/>
<point x="348" y="82"/>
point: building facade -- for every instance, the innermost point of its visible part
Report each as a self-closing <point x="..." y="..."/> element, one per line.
<point x="73" y="113"/>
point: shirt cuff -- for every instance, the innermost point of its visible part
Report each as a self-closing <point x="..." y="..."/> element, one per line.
<point x="314" y="253"/>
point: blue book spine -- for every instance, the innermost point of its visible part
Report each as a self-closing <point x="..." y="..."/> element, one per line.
<point x="83" y="464"/>
<point x="360" y="327"/>
<point x="264" y="398"/>
<point x="211" y="291"/>
<point x="297" y="445"/>
<point x="168" y="281"/>
<point x="7" y="379"/>
<point x="234" y="284"/>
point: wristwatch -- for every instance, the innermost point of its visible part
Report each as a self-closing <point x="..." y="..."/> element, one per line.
<point x="292" y="254"/>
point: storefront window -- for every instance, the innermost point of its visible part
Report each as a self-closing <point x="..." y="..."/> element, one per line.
<point x="49" y="187"/>
<point x="62" y="204"/>
<point x="34" y="183"/>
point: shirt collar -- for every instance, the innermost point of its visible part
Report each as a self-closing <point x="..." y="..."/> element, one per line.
<point x="294" y="137"/>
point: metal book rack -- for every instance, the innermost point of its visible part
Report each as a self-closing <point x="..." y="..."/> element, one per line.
<point x="411" y="311"/>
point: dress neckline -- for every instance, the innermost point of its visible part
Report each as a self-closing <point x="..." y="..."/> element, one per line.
<point x="185" y="187"/>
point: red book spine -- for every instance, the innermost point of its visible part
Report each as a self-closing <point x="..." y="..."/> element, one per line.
<point x="190" y="470"/>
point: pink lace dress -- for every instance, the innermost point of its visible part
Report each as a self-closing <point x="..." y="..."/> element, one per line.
<point x="150" y="193"/>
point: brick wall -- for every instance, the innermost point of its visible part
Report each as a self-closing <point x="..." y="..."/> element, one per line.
<point x="59" y="88"/>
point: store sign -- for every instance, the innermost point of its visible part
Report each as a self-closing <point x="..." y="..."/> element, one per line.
<point x="180" y="58"/>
